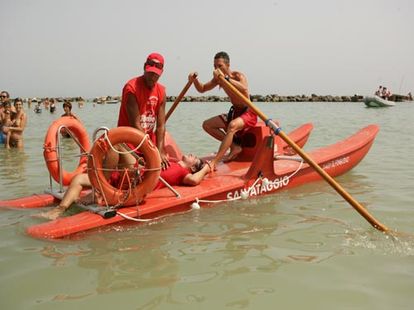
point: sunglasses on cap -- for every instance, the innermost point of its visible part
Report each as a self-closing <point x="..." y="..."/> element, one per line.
<point x="155" y="64"/>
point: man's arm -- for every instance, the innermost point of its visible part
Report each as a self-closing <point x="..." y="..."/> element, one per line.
<point x="240" y="82"/>
<point x="160" y="133"/>
<point x="133" y="112"/>
<point x="201" y="88"/>
<point x="237" y="79"/>
<point x="194" y="179"/>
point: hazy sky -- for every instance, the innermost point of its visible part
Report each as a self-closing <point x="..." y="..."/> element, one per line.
<point x="91" y="48"/>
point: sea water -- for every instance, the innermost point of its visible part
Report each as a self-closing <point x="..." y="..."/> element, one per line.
<point x="300" y="248"/>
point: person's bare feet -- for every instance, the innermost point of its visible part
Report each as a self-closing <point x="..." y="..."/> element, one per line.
<point x="51" y="214"/>
<point x="234" y="152"/>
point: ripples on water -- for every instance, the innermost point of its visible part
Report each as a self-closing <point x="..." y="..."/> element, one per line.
<point x="304" y="247"/>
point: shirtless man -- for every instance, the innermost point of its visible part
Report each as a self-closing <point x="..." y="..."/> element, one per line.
<point x="4" y="100"/>
<point x="226" y="128"/>
<point x="5" y="121"/>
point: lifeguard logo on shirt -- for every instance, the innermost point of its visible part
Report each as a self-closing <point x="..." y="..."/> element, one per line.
<point x="147" y="121"/>
<point x="152" y="101"/>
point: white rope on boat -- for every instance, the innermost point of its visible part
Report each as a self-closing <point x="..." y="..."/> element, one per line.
<point x="126" y="152"/>
<point x="127" y="217"/>
<point x="195" y="205"/>
<point x="297" y="170"/>
<point x="244" y="193"/>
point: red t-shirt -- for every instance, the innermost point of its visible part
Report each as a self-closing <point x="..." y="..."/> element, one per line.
<point x="174" y="175"/>
<point x="148" y="100"/>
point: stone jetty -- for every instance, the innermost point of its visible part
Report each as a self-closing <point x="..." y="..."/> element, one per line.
<point x="274" y="98"/>
<point x="253" y="98"/>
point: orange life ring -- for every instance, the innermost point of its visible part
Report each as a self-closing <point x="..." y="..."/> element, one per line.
<point x="50" y="151"/>
<point x="118" y="196"/>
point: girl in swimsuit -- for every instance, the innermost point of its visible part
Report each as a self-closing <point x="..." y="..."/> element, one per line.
<point x="14" y="132"/>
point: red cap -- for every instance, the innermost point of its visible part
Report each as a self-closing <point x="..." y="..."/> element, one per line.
<point x="154" y="63"/>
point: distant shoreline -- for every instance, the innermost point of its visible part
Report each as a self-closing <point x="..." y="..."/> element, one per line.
<point x="274" y="98"/>
<point x="253" y="98"/>
<point x="278" y="98"/>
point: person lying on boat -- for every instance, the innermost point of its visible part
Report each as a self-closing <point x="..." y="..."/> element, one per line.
<point x="240" y="118"/>
<point x="190" y="170"/>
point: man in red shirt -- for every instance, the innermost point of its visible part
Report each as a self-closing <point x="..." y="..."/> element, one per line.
<point x="143" y="103"/>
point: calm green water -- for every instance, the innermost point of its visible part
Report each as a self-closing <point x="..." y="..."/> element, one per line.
<point x="303" y="248"/>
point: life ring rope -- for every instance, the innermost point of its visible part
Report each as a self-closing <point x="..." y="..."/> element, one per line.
<point x="126" y="152"/>
<point x="52" y="151"/>
<point x="125" y="193"/>
<point x="125" y="176"/>
<point x="134" y="183"/>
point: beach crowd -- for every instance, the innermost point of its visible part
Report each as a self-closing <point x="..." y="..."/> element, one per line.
<point x="12" y="121"/>
<point x="13" y="117"/>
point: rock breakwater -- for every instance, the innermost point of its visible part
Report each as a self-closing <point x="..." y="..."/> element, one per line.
<point x="274" y="98"/>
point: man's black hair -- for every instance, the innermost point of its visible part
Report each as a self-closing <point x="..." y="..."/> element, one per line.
<point x="223" y="55"/>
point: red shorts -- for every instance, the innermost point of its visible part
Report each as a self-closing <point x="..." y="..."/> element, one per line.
<point x="249" y="119"/>
<point x="248" y="116"/>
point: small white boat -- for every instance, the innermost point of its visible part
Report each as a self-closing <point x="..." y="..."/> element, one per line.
<point x="378" y="102"/>
<point x="112" y="101"/>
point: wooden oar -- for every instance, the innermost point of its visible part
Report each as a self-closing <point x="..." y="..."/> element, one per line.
<point x="357" y="206"/>
<point x="178" y="99"/>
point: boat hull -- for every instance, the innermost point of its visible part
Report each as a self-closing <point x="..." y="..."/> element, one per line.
<point x="300" y="135"/>
<point x="232" y="181"/>
<point x="378" y="102"/>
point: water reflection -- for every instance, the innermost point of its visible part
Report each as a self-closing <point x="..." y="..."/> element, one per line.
<point x="129" y="262"/>
<point x="13" y="163"/>
<point x="70" y="154"/>
<point x="259" y="247"/>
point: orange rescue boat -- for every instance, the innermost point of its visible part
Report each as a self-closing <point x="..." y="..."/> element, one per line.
<point x="265" y="166"/>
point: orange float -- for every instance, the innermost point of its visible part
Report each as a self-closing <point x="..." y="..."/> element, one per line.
<point x="149" y="174"/>
<point x="50" y="151"/>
